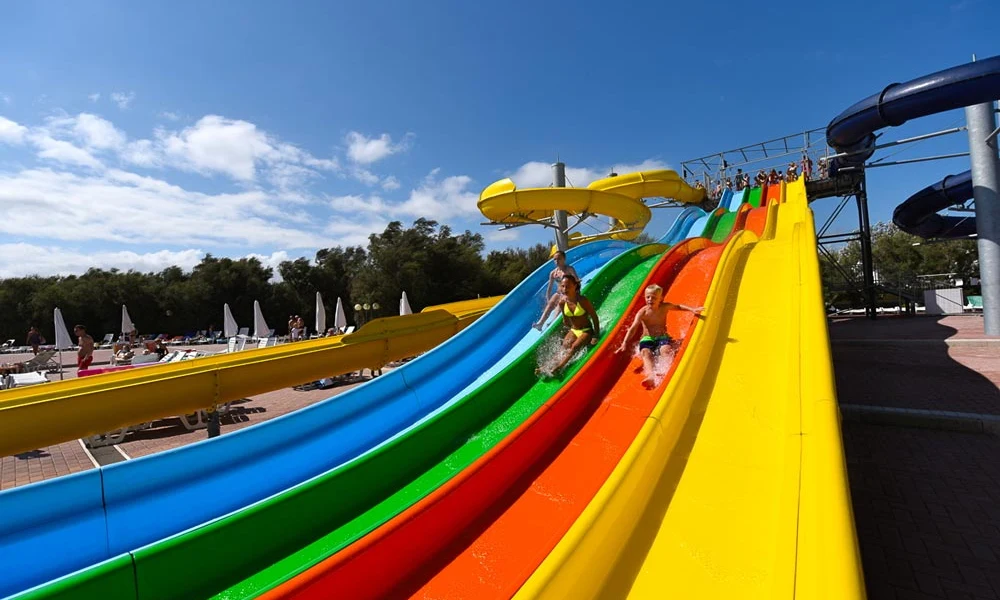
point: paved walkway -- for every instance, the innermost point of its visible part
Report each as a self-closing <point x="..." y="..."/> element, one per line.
<point x="926" y="502"/>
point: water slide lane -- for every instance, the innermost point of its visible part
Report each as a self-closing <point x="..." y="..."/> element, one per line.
<point x="412" y="541"/>
<point x="682" y="225"/>
<point x="404" y="546"/>
<point x="737" y="486"/>
<point x="248" y="540"/>
<point x="105" y="512"/>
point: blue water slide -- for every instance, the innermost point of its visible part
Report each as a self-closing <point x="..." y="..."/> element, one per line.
<point x="697" y="228"/>
<point x="682" y="225"/>
<point x="918" y="213"/>
<point x="79" y="520"/>
<point x="854" y="129"/>
<point x="736" y="199"/>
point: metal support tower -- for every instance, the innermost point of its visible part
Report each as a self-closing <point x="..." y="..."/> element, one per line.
<point x="986" y="192"/>
<point x="559" y="216"/>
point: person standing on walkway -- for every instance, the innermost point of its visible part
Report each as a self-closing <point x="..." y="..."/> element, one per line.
<point x="35" y="339"/>
<point x="85" y="355"/>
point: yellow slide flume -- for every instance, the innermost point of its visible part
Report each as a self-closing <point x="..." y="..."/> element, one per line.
<point x="736" y="485"/>
<point x="618" y="197"/>
<point x="38" y="416"/>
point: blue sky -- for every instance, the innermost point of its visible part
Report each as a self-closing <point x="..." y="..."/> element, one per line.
<point x="139" y="135"/>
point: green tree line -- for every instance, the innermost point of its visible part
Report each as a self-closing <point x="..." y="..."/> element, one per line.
<point x="903" y="263"/>
<point x="430" y="262"/>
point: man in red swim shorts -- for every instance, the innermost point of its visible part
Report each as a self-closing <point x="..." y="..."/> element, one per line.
<point x="85" y="355"/>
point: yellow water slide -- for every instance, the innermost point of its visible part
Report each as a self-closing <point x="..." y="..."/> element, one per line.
<point x="619" y="197"/>
<point x="38" y="416"/>
<point x="736" y="485"/>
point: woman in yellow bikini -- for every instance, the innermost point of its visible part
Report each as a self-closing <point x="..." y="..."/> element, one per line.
<point x="581" y="319"/>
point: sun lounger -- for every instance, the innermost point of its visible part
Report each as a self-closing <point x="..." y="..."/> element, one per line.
<point x="24" y="379"/>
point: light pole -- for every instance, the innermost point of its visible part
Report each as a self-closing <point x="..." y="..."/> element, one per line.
<point x="363" y="312"/>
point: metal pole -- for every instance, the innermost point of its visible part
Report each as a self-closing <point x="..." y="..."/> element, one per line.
<point x="986" y="192"/>
<point x="559" y="180"/>
<point x="866" y="252"/>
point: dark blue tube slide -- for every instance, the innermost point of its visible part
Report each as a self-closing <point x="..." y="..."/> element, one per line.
<point x="72" y="522"/>
<point x="853" y="131"/>
<point x="918" y="214"/>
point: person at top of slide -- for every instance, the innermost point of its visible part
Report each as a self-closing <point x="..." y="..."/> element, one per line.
<point x="555" y="278"/>
<point x="655" y="342"/>
<point x="561" y="270"/>
<point x="582" y="321"/>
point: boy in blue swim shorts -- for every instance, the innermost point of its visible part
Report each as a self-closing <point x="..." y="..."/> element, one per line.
<point x="655" y="342"/>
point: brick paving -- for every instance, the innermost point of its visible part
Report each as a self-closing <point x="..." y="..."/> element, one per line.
<point x="927" y="511"/>
<point x="939" y="373"/>
<point x="926" y="502"/>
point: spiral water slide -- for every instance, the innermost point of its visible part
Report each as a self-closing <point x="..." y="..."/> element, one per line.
<point x="853" y="131"/>
<point x="619" y="197"/>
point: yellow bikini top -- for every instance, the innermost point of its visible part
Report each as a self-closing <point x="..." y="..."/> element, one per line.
<point x="576" y="312"/>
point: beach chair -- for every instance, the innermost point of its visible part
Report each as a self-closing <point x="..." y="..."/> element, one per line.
<point x="24" y="379"/>
<point x="43" y="361"/>
<point x="349" y="330"/>
<point x="974" y="304"/>
<point x="108" y="341"/>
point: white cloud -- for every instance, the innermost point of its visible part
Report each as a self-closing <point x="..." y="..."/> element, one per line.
<point x="539" y="174"/>
<point x="11" y="132"/>
<point x="123" y="100"/>
<point x="366" y="150"/>
<point x="94" y="131"/>
<point x="64" y="152"/>
<point x="353" y="233"/>
<point x="441" y="199"/>
<point x="359" y="204"/>
<point x="505" y="235"/>
<point x="390" y="183"/>
<point x="6" y="99"/>
<point x="123" y="207"/>
<point x="364" y="176"/>
<point x="141" y="153"/>
<point x="94" y="97"/>
<point x="20" y="260"/>
<point x="170" y="116"/>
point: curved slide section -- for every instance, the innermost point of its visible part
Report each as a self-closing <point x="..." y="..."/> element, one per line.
<point x="618" y="197"/>
<point x="105" y="512"/>
<point x="917" y="215"/>
<point x="743" y="445"/>
<point x="965" y="85"/>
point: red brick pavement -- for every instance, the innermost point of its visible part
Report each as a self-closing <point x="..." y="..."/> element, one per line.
<point x="952" y="327"/>
<point x="932" y="374"/>
<point x="927" y="511"/>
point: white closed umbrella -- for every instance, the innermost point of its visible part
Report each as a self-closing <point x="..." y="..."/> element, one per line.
<point x="340" y="317"/>
<point x="127" y="325"/>
<point x="260" y="328"/>
<point x="229" y="327"/>
<point x="404" y="306"/>
<point x="320" y="315"/>
<point x="63" y="340"/>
